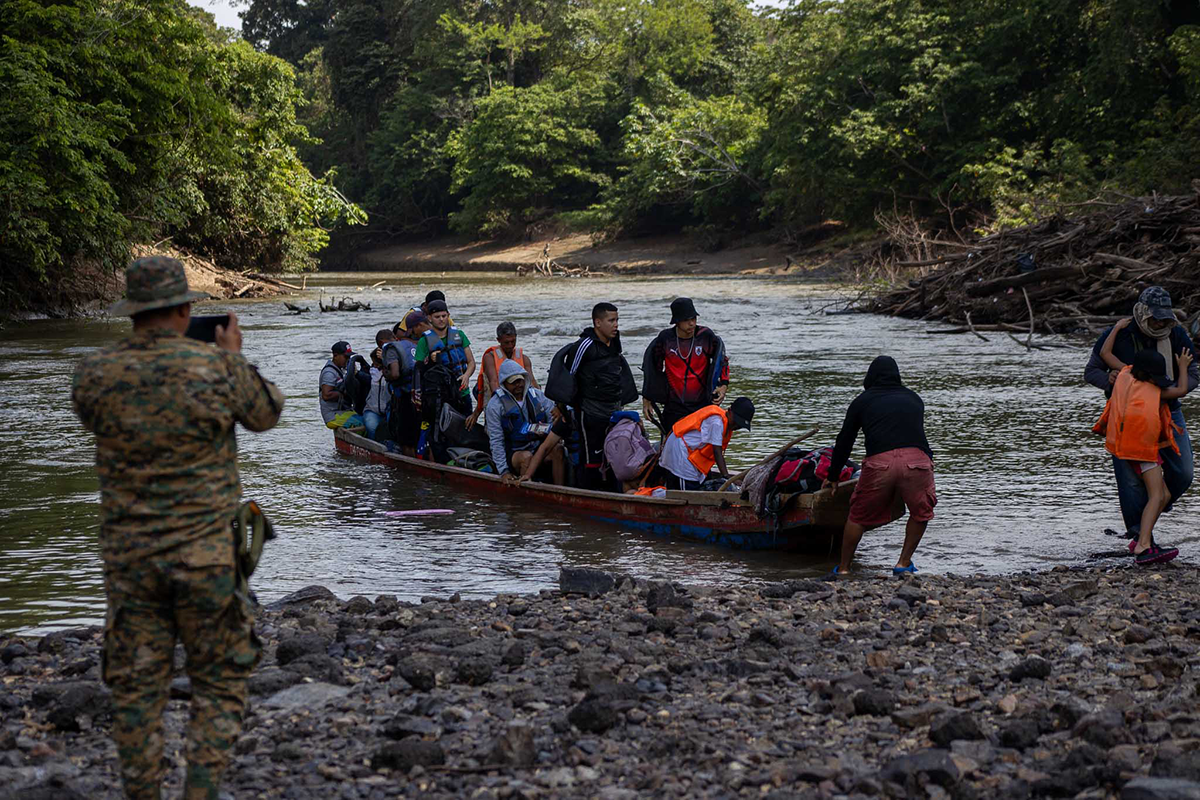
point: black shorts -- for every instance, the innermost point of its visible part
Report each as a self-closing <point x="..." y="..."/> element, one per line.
<point x="404" y="421"/>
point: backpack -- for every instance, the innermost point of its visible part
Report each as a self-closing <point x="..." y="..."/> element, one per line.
<point x="467" y="458"/>
<point x="804" y="472"/>
<point x="626" y="449"/>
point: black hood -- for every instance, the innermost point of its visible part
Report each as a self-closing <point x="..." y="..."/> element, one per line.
<point x="590" y="333"/>
<point x="883" y="372"/>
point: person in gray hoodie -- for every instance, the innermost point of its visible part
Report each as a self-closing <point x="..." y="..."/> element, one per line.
<point x="518" y="417"/>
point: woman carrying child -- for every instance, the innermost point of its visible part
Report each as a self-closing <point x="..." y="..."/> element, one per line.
<point x="1137" y="425"/>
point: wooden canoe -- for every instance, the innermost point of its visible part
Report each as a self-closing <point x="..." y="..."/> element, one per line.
<point x="806" y="522"/>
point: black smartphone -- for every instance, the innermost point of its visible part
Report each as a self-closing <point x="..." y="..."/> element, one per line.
<point x="204" y="329"/>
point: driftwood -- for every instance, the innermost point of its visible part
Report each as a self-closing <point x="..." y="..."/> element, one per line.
<point x="776" y="454"/>
<point x="345" y="304"/>
<point x="1065" y="273"/>
<point x="548" y="267"/>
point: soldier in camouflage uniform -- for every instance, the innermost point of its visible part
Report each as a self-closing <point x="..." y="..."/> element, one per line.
<point x="163" y="409"/>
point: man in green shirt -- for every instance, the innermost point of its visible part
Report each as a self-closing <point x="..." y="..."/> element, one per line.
<point x="447" y="364"/>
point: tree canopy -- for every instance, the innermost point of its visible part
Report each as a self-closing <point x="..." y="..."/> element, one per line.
<point x="140" y="121"/>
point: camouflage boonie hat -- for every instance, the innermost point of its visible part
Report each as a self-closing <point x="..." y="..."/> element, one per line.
<point x="154" y="282"/>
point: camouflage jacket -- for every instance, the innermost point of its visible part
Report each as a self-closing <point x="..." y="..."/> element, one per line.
<point x="163" y="409"/>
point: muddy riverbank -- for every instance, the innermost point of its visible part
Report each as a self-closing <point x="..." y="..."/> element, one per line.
<point x="1038" y="684"/>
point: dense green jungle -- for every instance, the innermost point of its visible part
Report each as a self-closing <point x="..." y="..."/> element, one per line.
<point x="369" y="121"/>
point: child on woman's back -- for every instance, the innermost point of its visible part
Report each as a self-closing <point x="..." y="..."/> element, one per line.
<point x="1137" y="424"/>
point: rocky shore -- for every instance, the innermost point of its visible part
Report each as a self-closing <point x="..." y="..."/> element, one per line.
<point x="1079" y="682"/>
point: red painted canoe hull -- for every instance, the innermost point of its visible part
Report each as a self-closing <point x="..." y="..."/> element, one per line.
<point x="807" y="521"/>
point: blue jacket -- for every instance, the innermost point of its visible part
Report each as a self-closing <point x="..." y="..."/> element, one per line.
<point x="504" y="417"/>
<point x="1129" y="341"/>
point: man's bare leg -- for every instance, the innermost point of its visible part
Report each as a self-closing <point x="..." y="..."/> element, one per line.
<point x="851" y="535"/>
<point x="519" y="461"/>
<point x="913" y="531"/>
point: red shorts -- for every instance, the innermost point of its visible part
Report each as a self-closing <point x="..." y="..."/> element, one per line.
<point x="906" y="473"/>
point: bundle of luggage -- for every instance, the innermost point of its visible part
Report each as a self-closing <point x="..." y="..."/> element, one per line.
<point x="797" y="470"/>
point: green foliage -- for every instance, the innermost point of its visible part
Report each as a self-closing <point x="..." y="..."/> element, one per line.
<point x="527" y="149"/>
<point x="700" y="153"/>
<point x="140" y="121"/>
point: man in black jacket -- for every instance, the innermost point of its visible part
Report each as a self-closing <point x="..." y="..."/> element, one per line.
<point x="898" y="464"/>
<point x="1154" y="328"/>
<point x="685" y="368"/>
<point x="592" y="377"/>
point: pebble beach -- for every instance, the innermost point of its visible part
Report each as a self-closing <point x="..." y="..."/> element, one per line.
<point x="1072" y="682"/>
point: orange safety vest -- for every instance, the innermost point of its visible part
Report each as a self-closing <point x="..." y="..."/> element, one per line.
<point x="1136" y="422"/>
<point x="702" y="457"/>
<point x="499" y="358"/>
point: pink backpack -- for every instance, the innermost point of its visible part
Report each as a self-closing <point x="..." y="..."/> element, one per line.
<point x="626" y="449"/>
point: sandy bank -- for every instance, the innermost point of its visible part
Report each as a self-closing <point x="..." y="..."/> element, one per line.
<point x="667" y="255"/>
<point x="1030" y="685"/>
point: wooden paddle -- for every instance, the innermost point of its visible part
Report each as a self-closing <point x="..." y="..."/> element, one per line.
<point x="774" y="455"/>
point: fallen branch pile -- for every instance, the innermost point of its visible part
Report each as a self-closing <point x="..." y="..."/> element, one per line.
<point x="1060" y="274"/>
<point x="548" y="267"/>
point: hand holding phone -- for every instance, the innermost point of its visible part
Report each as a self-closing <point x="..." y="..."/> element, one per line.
<point x="204" y="328"/>
<point x="229" y="335"/>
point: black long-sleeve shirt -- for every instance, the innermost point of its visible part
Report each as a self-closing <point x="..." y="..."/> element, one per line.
<point x="889" y="414"/>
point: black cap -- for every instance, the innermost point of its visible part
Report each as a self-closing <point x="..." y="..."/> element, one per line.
<point x="682" y="309"/>
<point x="1153" y="365"/>
<point x="342" y="348"/>
<point x="1158" y="300"/>
<point x="434" y="306"/>
<point x="742" y="412"/>
<point x="435" y="295"/>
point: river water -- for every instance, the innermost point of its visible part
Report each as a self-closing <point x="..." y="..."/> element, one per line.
<point x="1022" y="482"/>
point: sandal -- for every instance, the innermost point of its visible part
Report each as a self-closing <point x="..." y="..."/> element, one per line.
<point x="910" y="569"/>
<point x="1156" y="555"/>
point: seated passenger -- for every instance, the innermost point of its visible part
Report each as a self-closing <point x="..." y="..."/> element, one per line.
<point x="375" y="410"/>
<point x="698" y="441"/>
<point x="331" y="382"/>
<point x="518" y="418"/>
<point x="493" y="357"/>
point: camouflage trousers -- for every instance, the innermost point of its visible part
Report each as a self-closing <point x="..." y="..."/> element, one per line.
<point x="151" y="605"/>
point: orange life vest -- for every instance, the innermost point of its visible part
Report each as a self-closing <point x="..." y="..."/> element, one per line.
<point x="702" y="457"/>
<point x="1136" y="421"/>
<point x="498" y="358"/>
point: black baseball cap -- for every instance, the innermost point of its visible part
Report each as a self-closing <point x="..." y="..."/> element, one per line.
<point x="742" y="411"/>
<point x="342" y="348"/>
<point x="1152" y="363"/>
<point x="434" y="306"/>
<point x="1158" y="300"/>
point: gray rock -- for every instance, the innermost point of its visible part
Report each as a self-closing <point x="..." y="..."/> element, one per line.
<point x="306" y="695"/>
<point x="309" y="594"/>
<point x="585" y="580"/>
<point x="593" y="715"/>
<point x="910" y="596"/>
<point x="290" y="751"/>
<point x="1160" y="789"/>
<point x="271" y="680"/>
<point x="474" y="671"/>
<point x="418" y="673"/>
<point x="515" y="747"/>
<point x="408" y="753"/>
<point x="1019" y="734"/>
<point x="79" y="700"/>
<point x="1103" y="728"/>
<point x="955" y="726"/>
<point x="514" y="655"/>
<point x="359" y="605"/>
<point x="318" y="667"/>
<point x="403" y="726"/>
<point x="293" y="647"/>
<point x="874" y="702"/>
<point x="1032" y="667"/>
<point x="921" y="715"/>
<point x="1185" y="765"/>
<point x="936" y="765"/>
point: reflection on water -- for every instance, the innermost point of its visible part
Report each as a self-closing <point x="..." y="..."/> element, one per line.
<point x="1021" y="480"/>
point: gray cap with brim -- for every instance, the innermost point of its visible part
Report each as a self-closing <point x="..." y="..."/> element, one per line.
<point x="154" y="282"/>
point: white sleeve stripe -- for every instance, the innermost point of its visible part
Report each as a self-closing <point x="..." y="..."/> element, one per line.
<point x="579" y="355"/>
